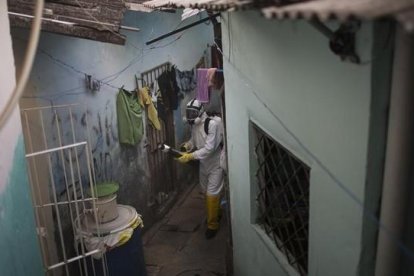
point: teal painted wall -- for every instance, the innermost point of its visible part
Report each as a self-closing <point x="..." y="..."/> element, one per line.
<point x="327" y="104"/>
<point x="19" y="254"/>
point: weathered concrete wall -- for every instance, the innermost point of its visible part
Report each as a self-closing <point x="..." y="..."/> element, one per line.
<point x="58" y="78"/>
<point x="20" y="254"/>
<point x="326" y="104"/>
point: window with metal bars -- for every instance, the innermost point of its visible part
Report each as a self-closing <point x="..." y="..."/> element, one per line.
<point x="282" y="198"/>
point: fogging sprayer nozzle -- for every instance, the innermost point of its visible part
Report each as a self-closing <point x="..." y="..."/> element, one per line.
<point x="167" y="149"/>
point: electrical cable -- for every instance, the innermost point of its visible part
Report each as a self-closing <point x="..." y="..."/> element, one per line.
<point x="366" y="212"/>
<point x="104" y="80"/>
<point x="115" y="75"/>
<point x="27" y="65"/>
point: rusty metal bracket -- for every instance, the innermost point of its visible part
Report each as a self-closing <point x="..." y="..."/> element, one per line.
<point x="341" y="41"/>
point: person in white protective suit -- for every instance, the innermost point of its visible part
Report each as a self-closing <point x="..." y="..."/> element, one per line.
<point x="207" y="141"/>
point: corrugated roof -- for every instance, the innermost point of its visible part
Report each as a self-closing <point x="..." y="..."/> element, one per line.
<point x="402" y="10"/>
<point x="340" y="9"/>
<point x="213" y="5"/>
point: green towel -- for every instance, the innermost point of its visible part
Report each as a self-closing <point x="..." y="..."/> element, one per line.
<point x="129" y="113"/>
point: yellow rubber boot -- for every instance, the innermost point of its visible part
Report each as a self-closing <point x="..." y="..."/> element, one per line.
<point x="212" y="207"/>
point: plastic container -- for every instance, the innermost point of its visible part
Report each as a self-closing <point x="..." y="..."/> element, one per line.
<point x="123" y="260"/>
<point x="106" y="209"/>
<point x="106" y="204"/>
<point x="128" y="259"/>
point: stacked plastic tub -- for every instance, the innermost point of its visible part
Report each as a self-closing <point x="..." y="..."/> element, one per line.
<point x="118" y="235"/>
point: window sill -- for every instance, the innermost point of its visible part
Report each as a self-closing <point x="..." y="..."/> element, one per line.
<point x="279" y="256"/>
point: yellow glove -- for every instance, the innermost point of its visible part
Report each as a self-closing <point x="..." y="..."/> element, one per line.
<point x="186" y="157"/>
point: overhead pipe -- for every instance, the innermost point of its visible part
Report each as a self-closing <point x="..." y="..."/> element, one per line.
<point x="399" y="157"/>
<point x="210" y="17"/>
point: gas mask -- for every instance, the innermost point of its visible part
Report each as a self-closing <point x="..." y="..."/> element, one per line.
<point x="193" y="112"/>
<point x="196" y="121"/>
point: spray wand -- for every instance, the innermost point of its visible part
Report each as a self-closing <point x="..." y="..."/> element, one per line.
<point x="167" y="149"/>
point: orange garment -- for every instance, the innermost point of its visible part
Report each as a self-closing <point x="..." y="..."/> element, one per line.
<point x="211" y="73"/>
<point x="145" y="101"/>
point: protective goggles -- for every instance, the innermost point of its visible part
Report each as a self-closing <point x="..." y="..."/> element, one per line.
<point x="191" y="113"/>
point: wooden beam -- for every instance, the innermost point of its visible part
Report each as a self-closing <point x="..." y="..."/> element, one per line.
<point x="102" y="13"/>
<point x="75" y="31"/>
<point x="89" y="16"/>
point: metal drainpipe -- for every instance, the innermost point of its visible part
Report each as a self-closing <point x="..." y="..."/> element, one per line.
<point x="399" y="155"/>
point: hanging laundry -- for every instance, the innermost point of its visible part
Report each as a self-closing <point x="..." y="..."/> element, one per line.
<point x="213" y="107"/>
<point x="169" y="88"/>
<point x="202" y="86"/>
<point x="211" y="73"/>
<point x="186" y="80"/>
<point x="145" y="100"/>
<point x="154" y="91"/>
<point x="129" y="114"/>
<point x="162" y="114"/>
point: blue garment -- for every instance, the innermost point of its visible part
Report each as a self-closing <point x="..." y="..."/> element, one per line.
<point x="186" y="81"/>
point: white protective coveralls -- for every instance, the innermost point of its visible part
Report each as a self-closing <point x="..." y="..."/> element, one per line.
<point x="209" y="147"/>
<point x="208" y="151"/>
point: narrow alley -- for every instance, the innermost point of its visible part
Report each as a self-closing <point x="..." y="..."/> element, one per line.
<point x="176" y="245"/>
<point x="206" y="138"/>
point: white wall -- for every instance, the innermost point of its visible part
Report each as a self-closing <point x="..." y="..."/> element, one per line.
<point x="20" y="250"/>
<point x="325" y="103"/>
<point x="9" y="134"/>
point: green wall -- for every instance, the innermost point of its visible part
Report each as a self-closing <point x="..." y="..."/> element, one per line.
<point x="20" y="253"/>
<point x="326" y="104"/>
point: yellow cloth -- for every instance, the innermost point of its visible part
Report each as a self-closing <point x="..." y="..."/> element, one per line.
<point x="213" y="209"/>
<point x="186" y="157"/>
<point x="126" y="235"/>
<point x="145" y="101"/>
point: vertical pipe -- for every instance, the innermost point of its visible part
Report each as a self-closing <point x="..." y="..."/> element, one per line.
<point x="399" y="156"/>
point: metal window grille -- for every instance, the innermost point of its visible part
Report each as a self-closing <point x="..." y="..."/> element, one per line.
<point x="161" y="165"/>
<point x="60" y="174"/>
<point x="283" y="199"/>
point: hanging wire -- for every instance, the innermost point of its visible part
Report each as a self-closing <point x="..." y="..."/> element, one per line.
<point x="106" y="80"/>
<point x="110" y="78"/>
<point x="367" y="212"/>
